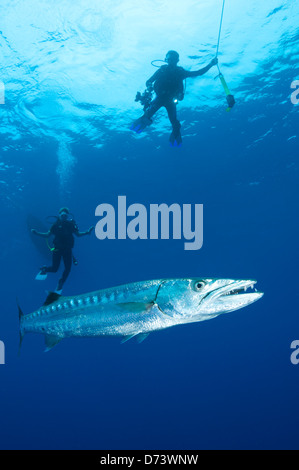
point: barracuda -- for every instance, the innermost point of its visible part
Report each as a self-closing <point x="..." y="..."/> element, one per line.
<point x="136" y="310"/>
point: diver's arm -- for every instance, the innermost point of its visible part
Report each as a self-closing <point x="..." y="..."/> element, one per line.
<point x="41" y="234"/>
<point x="199" y="73"/>
<point x="151" y="80"/>
<point x="82" y="234"/>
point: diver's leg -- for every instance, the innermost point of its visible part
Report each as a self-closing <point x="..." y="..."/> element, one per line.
<point x="56" y="259"/>
<point x="67" y="260"/>
<point x="172" y="114"/>
<point x="175" y="137"/>
<point x="145" y="120"/>
<point x="156" y="104"/>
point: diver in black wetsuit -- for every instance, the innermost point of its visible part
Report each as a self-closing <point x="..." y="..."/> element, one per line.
<point x="168" y="85"/>
<point x="63" y="231"/>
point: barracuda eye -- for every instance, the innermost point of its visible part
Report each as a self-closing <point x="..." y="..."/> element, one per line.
<point x="199" y="285"/>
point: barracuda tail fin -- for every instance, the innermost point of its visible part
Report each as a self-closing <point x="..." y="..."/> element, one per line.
<point x="21" y="314"/>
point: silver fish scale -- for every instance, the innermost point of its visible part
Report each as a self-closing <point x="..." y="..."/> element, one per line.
<point x="97" y="314"/>
<point x="138" y="308"/>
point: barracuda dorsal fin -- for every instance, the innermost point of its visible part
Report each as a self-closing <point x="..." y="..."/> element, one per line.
<point x="51" y="298"/>
<point x="136" y="307"/>
<point x="51" y="341"/>
<point x="139" y="337"/>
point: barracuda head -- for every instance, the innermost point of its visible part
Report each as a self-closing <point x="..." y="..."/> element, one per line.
<point x="191" y="300"/>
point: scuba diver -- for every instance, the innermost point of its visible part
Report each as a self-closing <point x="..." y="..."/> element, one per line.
<point x="168" y="84"/>
<point x="63" y="231"/>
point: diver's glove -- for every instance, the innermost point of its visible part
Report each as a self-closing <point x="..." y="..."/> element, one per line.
<point x="149" y="87"/>
<point x="214" y="62"/>
<point x="90" y="231"/>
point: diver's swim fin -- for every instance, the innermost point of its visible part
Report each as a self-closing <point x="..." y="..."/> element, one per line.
<point x="140" y="124"/>
<point x="41" y="276"/>
<point x="175" y="139"/>
<point x="51" y="298"/>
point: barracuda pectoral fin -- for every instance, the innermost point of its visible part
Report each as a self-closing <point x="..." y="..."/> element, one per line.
<point x="127" y="338"/>
<point x="51" y="341"/>
<point x="139" y="337"/>
<point x="135" y="307"/>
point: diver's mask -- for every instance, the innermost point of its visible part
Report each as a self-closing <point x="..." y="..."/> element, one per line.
<point x="64" y="214"/>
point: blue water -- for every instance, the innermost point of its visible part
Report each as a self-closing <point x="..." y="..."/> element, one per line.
<point x="70" y="75"/>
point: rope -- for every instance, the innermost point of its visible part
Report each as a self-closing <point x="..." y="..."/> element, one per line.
<point x="220" y="28"/>
<point x="230" y="99"/>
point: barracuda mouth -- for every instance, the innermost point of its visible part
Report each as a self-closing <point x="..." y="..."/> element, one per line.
<point x="233" y="296"/>
<point x="242" y="290"/>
